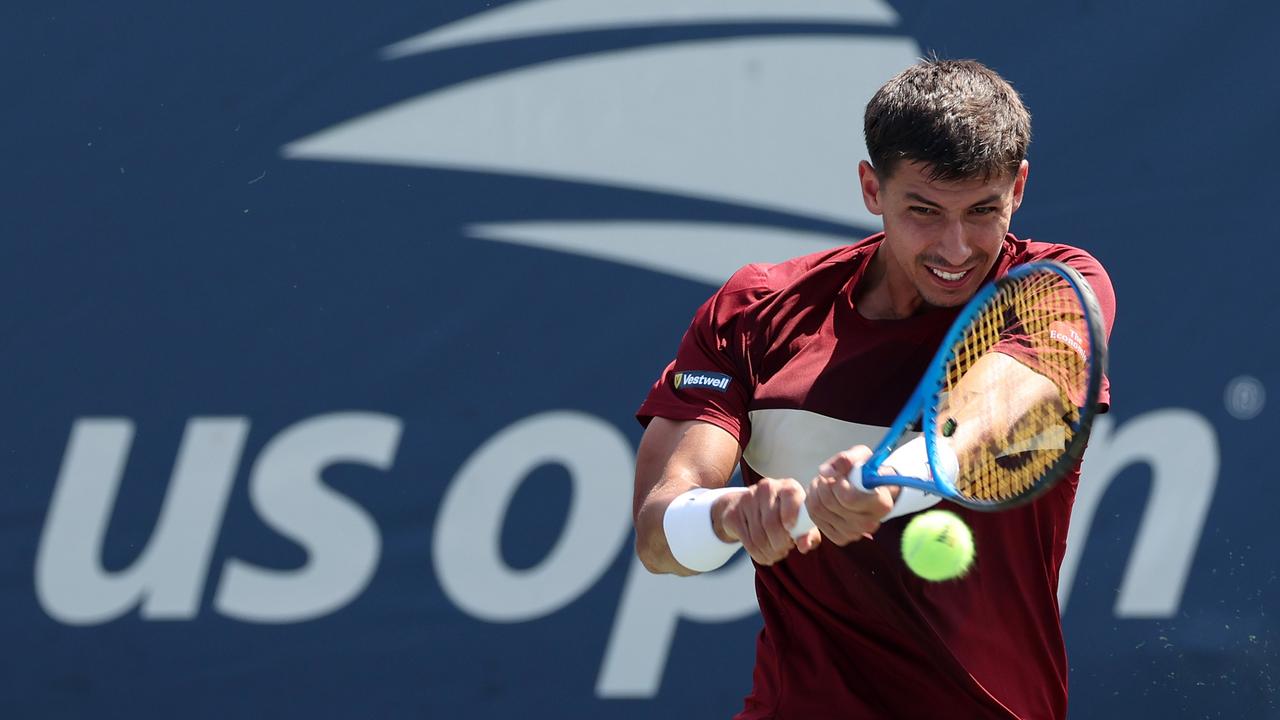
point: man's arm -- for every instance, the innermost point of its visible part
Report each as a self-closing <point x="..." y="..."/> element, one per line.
<point x="1000" y="398"/>
<point x="675" y="457"/>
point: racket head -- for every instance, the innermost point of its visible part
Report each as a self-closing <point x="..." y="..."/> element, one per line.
<point x="1044" y="316"/>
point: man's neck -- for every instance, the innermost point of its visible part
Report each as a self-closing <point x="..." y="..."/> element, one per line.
<point x="876" y="298"/>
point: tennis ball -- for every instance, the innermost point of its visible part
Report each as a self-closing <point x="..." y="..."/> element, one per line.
<point x="937" y="545"/>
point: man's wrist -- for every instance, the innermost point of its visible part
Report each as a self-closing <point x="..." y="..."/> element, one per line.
<point x="692" y="534"/>
<point x="717" y="515"/>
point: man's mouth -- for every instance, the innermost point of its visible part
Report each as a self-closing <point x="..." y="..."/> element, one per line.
<point x="949" y="277"/>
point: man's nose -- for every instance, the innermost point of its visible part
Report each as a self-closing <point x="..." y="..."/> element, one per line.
<point x="954" y="245"/>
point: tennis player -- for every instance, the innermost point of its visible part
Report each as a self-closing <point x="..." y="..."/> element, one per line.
<point x="796" y="367"/>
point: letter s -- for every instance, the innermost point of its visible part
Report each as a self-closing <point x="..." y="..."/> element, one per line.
<point x="342" y="540"/>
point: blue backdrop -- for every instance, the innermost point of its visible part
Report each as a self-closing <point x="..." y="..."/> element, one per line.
<point x="325" y="325"/>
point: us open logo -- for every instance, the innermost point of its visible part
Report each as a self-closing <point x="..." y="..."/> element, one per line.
<point x="651" y="117"/>
<point x="648" y="120"/>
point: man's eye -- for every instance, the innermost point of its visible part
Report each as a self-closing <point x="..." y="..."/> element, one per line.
<point x="983" y="210"/>
<point x="922" y="210"/>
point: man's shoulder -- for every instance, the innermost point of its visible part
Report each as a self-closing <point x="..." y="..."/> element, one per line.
<point x="760" y="279"/>
<point x="1025" y="251"/>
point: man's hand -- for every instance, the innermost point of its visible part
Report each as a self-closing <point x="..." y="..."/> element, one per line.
<point x="761" y="517"/>
<point x="842" y="512"/>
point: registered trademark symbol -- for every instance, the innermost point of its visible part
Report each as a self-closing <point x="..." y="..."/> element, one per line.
<point x="1244" y="397"/>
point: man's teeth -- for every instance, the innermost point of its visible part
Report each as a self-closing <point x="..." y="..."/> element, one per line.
<point x="947" y="275"/>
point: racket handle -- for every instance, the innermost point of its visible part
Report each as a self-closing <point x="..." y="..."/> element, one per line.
<point x="911" y="468"/>
<point x="803" y="523"/>
<point x="855" y="479"/>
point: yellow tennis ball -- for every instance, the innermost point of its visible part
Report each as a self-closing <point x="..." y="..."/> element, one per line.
<point x="937" y="545"/>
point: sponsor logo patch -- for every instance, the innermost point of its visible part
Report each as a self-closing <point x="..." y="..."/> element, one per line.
<point x="1071" y="337"/>
<point x="695" y="379"/>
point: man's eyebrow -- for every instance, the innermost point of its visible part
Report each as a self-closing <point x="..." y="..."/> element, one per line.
<point x="922" y="199"/>
<point x="926" y="201"/>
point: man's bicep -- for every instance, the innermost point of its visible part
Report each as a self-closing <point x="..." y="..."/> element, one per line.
<point x="677" y="455"/>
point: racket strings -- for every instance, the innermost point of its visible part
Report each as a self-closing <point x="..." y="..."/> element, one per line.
<point x="1037" y="321"/>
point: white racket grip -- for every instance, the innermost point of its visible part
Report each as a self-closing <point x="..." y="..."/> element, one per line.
<point x="855" y="479"/>
<point x="912" y="459"/>
<point x="947" y="460"/>
<point x="803" y="523"/>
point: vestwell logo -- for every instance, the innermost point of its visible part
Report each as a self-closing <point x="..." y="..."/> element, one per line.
<point x="692" y="380"/>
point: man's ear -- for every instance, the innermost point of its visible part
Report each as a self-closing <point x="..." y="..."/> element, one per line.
<point x="1020" y="184"/>
<point x="871" y="187"/>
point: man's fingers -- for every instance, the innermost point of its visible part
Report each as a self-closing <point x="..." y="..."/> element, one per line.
<point x="762" y="519"/>
<point x="827" y="513"/>
<point x="838" y="495"/>
<point x="756" y="540"/>
<point x="774" y="521"/>
<point x="849" y="495"/>
<point x="843" y="513"/>
<point x="759" y="521"/>
<point x="841" y="464"/>
<point x="809" y="541"/>
<point x="781" y="503"/>
<point x="847" y="467"/>
<point x="790" y="500"/>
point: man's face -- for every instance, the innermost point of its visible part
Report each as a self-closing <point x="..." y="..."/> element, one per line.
<point x="941" y="238"/>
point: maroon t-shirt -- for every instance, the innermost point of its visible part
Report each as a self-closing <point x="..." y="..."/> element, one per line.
<point x="781" y="358"/>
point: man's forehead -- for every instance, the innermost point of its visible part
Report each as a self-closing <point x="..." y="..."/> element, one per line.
<point x="916" y="179"/>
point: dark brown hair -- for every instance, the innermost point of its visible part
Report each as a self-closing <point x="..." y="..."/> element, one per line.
<point x="957" y="117"/>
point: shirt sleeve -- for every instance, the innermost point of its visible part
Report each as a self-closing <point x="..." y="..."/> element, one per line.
<point x="1096" y="276"/>
<point x="710" y="378"/>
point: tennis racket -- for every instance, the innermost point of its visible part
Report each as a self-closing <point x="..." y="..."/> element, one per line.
<point x="996" y="435"/>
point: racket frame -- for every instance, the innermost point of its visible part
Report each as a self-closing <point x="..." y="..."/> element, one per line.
<point x="922" y="406"/>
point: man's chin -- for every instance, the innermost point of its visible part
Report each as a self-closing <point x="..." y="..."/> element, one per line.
<point x="945" y="300"/>
<point x="943" y="297"/>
